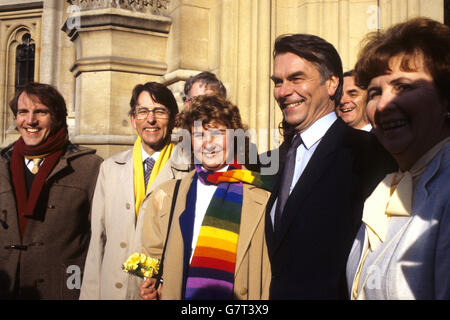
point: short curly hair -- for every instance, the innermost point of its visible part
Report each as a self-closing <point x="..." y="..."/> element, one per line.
<point x="418" y="36"/>
<point x="210" y="108"/>
<point x="213" y="108"/>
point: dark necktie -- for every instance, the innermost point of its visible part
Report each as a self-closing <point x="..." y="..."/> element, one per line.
<point x="149" y="163"/>
<point x="286" y="179"/>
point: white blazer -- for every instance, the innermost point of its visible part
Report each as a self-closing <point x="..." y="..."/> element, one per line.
<point x="414" y="261"/>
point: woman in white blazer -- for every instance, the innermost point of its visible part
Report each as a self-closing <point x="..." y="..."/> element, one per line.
<point x="402" y="250"/>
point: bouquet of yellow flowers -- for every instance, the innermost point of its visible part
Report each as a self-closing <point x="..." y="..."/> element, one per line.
<point x="142" y="266"/>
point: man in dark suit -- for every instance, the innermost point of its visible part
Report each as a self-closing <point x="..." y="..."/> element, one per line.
<point x="327" y="169"/>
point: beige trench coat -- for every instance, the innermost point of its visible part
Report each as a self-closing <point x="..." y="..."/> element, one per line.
<point x="116" y="228"/>
<point x="252" y="272"/>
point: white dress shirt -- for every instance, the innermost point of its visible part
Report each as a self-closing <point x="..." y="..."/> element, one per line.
<point x="367" y="127"/>
<point x="145" y="155"/>
<point x="204" y="196"/>
<point x="30" y="164"/>
<point x="311" y="138"/>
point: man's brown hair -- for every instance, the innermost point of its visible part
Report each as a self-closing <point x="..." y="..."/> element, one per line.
<point x="48" y="96"/>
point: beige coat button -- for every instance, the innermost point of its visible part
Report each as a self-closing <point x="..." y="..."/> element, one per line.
<point x="123" y="245"/>
<point x="128" y="205"/>
<point x="119" y="285"/>
<point x="244" y="291"/>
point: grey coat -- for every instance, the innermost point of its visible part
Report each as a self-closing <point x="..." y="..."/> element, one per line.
<point x="414" y="261"/>
<point x="51" y="256"/>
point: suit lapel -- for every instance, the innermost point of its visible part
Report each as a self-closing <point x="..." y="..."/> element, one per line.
<point x="321" y="160"/>
<point x="254" y="202"/>
<point x="186" y="215"/>
<point x="171" y="169"/>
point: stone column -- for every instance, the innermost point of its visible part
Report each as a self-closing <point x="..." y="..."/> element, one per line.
<point x="231" y="38"/>
<point x="251" y="57"/>
<point x="191" y="47"/>
<point x="396" y="11"/>
<point x="50" y="44"/>
<point x="118" y="45"/>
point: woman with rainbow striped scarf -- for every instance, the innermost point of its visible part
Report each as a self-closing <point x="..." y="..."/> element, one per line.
<point x="216" y="245"/>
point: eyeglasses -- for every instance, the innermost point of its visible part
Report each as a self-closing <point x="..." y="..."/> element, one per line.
<point x="142" y="113"/>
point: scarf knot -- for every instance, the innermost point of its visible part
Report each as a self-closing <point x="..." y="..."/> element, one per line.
<point x="394" y="197"/>
<point x="52" y="149"/>
<point x="235" y="174"/>
<point x="140" y="189"/>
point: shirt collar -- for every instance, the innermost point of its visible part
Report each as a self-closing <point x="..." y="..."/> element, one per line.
<point x="367" y="127"/>
<point x="220" y="170"/>
<point x="145" y="155"/>
<point x="317" y="130"/>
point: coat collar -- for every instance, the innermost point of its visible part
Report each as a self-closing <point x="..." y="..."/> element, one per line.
<point x="253" y="207"/>
<point x="72" y="151"/>
<point x="170" y="170"/>
<point x="421" y="191"/>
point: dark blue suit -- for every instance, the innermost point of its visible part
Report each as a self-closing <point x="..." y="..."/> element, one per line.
<point x="309" y="250"/>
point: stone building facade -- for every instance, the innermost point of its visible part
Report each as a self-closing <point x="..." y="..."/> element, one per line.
<point x="96" y="51"/>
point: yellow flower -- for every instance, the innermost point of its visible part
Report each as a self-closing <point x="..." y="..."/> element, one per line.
<point x="133" y="262"/>
<point x="140" y="265"/>
<point x="134" y="258"/>
<point x="151" y="263"/>
<point x="147" y="273"/>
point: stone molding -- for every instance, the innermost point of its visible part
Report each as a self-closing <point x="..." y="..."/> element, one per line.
<point x="104" y="139"/>
<point x="157" y="7"/>
<point x="77" y="22"/>
<point x="120" y="64"/>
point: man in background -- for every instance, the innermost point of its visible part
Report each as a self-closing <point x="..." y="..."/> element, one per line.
<point x="203" y="83"/>
<point x="352" y="108"/>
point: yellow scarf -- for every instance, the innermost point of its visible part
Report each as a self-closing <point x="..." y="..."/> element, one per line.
<point x="385" y="201"/>
<point x="138" y="169"/>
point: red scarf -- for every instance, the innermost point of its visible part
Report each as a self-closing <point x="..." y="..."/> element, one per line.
<point x="53" y="147"/>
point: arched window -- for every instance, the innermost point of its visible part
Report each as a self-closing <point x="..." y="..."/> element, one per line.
<point x="24" y="62"/>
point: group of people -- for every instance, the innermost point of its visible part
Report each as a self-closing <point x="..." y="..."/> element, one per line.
<point x="360" y="206"/>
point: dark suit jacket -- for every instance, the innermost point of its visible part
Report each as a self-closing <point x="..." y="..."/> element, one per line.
<point x="309" y="250"/>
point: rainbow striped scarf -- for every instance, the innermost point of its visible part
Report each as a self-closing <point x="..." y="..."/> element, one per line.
<point x="211" y="272"/>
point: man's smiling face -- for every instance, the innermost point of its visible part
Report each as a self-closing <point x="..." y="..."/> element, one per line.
<point x="352" y="108"/>
<point x="33" y="120"/>
<point x="152" y="130"/>
<point x="302" y="95"/>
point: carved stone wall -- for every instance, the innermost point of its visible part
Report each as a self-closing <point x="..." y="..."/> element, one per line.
<point x="108" y="46"/>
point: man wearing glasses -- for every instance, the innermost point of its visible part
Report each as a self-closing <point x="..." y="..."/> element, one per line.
<point x="124" y="182"/>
